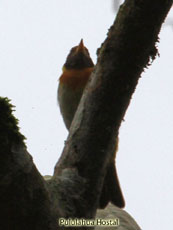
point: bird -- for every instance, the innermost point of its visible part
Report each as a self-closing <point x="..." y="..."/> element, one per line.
<point x="75" y="74"/>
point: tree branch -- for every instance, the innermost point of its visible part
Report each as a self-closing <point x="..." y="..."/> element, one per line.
<point x="24" y="199"/>
<point x="128" y="49"/>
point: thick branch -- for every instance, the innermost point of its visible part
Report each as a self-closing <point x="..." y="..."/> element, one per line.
<point x="24" y="199"/>
<point x="125" y="53"/>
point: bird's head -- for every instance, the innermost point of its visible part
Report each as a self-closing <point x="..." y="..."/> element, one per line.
<point x="78" y="58"/>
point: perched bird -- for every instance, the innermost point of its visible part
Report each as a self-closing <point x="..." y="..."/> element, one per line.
<point x="76" y="72"/>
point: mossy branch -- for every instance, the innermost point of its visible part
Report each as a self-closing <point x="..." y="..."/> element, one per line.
<point x="9" y="129"/>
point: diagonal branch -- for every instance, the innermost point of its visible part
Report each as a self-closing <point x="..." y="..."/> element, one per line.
<point x="128" y="49"/>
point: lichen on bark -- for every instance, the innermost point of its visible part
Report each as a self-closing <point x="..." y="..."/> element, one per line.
<point x="9" y="129"/>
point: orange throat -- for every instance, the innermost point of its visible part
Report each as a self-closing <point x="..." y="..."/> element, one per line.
<point x="76" y="78"/>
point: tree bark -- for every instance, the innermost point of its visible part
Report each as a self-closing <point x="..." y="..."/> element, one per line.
<point x="129" y="48"/>
<point x="24" y="200"/>
<point x="29" y="202"/>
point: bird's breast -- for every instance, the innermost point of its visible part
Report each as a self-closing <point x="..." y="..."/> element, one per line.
<point x="70" y="90"/>
<point x="75" y="78"/>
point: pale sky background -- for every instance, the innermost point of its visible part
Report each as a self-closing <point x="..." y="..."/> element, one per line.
<point x="35" y="39"/>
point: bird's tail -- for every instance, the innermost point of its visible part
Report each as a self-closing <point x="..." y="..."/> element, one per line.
<point x="111" y="191"/>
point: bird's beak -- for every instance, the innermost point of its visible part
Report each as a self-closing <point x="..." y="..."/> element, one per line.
<point x="80" y="47"/>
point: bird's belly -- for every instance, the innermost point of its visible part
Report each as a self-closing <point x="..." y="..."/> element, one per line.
<point x="68" y="99"/>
